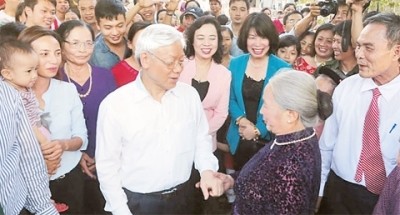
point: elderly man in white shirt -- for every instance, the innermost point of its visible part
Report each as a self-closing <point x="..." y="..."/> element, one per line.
<point x="151" y="131"/>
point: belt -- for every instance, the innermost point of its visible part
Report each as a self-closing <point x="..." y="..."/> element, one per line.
<point x="164" y="194"/>
<point x="169" y="191"/>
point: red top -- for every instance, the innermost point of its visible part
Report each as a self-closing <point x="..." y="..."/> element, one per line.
<point x="279" y="26"/>
<point x="124" y="73"/>
<point x="301" y="65"/>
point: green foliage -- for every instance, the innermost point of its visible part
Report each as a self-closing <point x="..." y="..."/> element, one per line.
<point x="381" y="5"/>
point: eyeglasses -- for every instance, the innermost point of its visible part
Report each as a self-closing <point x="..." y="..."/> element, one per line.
<point x="170" y="65"/>
<point x="78" y="44"/>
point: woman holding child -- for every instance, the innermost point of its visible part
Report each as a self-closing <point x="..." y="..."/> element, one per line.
<point x="62" y="109"/>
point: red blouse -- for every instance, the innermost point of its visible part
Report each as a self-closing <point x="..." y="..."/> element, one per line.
<point x="301" y="65"/>
<point x="124" y="73"/>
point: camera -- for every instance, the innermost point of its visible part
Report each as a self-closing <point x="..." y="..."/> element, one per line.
<point x="328" y="7"/>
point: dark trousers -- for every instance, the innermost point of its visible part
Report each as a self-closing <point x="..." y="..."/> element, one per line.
<point x="343" y="197"/>
<point x="177" y="202"/>
<point x="93" y="198"/>
<point x="69" y="190"/>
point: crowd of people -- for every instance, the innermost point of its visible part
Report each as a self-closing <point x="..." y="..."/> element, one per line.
<point x="156" y="107"/>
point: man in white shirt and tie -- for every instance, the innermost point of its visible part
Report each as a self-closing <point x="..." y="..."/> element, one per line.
<point x="151" y="131"/>
<point x="360" y="141"/>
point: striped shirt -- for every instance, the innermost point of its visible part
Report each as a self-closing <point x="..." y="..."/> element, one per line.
<point x="23" y="176"/>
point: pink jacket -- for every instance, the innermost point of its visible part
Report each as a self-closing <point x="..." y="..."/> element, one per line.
<point x="216" y="102"/>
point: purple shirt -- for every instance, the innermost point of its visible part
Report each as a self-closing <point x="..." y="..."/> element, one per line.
<point x="281" y="180"/>
<point x="103" y="83"/>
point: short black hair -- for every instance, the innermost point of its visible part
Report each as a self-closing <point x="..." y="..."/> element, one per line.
<point x="265" y="8"/>
<point x="288" y="5"/>
<point x="31" y="3"/>
<point x="135" y="27"/>
<point x="343" y="29"/>
<point x="74" y="10"/>
<point x="20" y="10"/>
<point x="109" y="9"/>
<point x="223" y="19"/>
<point x="225" y="28"/>
<point x="11" y="30"/>
<point x="8" y="48"/>
<point x="66" y="27"/>
<point x="289" y="14"/>
<point x="289" y="40"/>
<point x="158" y="13"/>
<point x="264" y="28"/>
<point x="245" y="1"/>
<point x="189" y="51"/>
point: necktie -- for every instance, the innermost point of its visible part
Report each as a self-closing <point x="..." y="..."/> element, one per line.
<point x="371" y="161"/>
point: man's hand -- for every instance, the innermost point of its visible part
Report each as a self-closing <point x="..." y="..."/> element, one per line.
<point x="210" y="184"/>
<point x="315" y="10"/>
<point x="357" y="5"/>
<point x="88" y="165"/>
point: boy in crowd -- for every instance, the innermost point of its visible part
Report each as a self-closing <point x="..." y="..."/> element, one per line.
<point x="40" y="12"/>
<point x="110" y="46"/>
<point x="238" y="11"/>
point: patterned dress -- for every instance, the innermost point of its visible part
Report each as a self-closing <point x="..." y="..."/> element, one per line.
<point x="281" y="180"/>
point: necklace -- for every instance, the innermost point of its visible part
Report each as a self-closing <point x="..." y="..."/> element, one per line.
<point x="292" y="142"/>
<point x="90" y="80"/>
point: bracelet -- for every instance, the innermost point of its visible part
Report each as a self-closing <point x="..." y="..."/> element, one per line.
<point x="238" y="119"/>
<point x="257" y="132"/>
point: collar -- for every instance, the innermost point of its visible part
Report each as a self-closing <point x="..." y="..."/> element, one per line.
<point x="388" y="90"/>
<point x="142" y="93"/>
<point x="102" y="46"/>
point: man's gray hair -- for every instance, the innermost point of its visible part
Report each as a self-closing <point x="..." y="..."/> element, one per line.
<point x="156" y="36"/>
<point x="392" y="23"/>
<point x="297" y="91"/>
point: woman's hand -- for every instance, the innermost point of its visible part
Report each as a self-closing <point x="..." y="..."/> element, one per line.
<point x="52" y="166"/>
<point x="52" y="150"/>
<point x="247" y="132"/>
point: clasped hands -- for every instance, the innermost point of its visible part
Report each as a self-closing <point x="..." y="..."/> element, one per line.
<point x="246" y="129"/>
<point x="214" y="183"/>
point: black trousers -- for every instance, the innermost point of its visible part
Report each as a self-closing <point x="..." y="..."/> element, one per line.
<point x="177" y="201"/>
<point x="69" y="190"/>
<point x="343" y="197"/>
<point x="93" y="200"/>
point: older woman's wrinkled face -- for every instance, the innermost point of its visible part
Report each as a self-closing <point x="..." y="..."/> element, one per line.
<point x="273" y="115"/>
<point x="78" y="46"/>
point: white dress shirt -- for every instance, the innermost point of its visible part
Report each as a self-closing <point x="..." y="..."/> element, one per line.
<point x="341" y="140"/>
<point x="147" y="146"/>
<point x="65" y="111"/>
